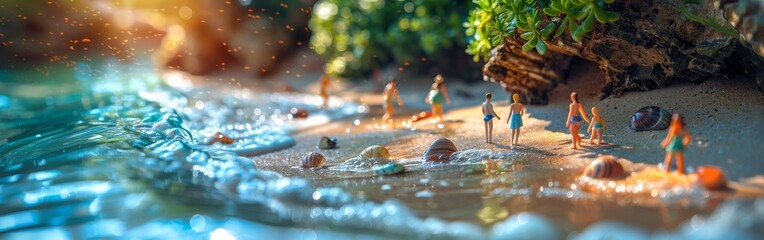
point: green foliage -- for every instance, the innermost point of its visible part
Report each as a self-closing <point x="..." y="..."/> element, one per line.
<point x="357" y="36"/>
<point x="708" y="21"/>
<point x="536" y="21"/>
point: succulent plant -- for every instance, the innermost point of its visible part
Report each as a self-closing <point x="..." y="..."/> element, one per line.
<point x="536" y="21"/>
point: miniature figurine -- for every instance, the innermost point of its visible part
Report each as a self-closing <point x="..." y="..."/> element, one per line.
<point x="574" y="119"/>
<point x="515" y="119"/>
<point x="675" y="142"/>
<point x="390" y="94"/>
<point x="598" y="125"/>
<point x="324" y="91"/>
<point x="437" y="96"/>
<point x="488" y="115"/>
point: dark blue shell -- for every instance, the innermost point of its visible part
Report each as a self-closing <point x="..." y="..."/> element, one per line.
<point x="650" y="118"/>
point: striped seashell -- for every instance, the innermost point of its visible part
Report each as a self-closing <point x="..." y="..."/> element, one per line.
<point x="712" y="177"/>
<point x="604" y="167"/>
<point x="375" y="153"/>
<point x="327" y="143"/>
<point x="389" y="168"/>
<point x="312" y="160"/>
<point x="650" y="118"/>
<point x="440" y="150"/>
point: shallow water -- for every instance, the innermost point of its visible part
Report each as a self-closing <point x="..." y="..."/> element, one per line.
<point x="109" y="156"/>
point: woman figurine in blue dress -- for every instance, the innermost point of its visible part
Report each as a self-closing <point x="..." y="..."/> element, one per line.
<point x="677" y="139"/>
<point x="437" y="96"/>
<point x="515" y="119"/>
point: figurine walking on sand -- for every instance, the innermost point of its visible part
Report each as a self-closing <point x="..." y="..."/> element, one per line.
<point x="677" y="139"/>
<point x="390" y="94"/>
<point x="488" y="115"/>
<point x="574" y="119"/>
<point x="324" y="91"/>
<point x="597" y="126"/>
<point x="515" y="119"/>
<point x="437" y="96"/>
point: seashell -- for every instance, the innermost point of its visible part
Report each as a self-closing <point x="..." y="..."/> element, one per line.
<point x="327" y="143"/>
<point x="375" y="153"/>
<point x="650" y="118"/>
<point x="712" y="177"/>
<point x="604" y="167"/>
<point x="440" y="150"/>
<point x="389" y="168"/>
<point x="219" y="137"/>
<point x="298" y="113"/>
<point x="312" y="160"/>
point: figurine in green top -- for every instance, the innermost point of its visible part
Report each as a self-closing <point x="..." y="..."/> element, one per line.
<point x="437" y="96"/>
<point x="574" y="119"/>
<point x="598" y="125"/>
<point x="677" y="139"/>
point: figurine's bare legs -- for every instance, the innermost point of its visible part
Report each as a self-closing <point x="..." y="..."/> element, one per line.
<point x="437" y="112"/>
<point x="515" y="136"/>
<point x="679" y="162"/>
<point x="667" y="161"/>
<point x="325" y="103"/>
<point x="489" y="131"/>
<point x="591" y="139"/>
<point x="599" y="136"/>
<point x="388" y="115"/>
<point x="574" y="134"/>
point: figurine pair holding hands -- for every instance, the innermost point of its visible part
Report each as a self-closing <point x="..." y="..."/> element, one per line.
<point x="596" y="126"/>
<point x="515" y="118"/>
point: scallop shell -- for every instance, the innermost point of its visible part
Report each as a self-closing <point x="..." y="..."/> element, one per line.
<point x="440" y="150"/>
<point x="604" y="167"/>
<point x="312" y="160"/>
<point x="389" y="168"/>
<point x="327" y="143"/>
<point x="712" y="177"/>
<point x="375" y="153"/>
<point x="650" y="118"/>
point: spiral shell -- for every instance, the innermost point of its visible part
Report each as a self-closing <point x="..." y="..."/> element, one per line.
<point x="389" y="168"/>
<point x="327" y="143"/>
<point x="375" y="153"/>
<point x="312" y="160"/>
<point x="440" y="150"/>
<point x="712" y="177"/>
<point x="604" y="167"/>
<point x="650" y="118"/>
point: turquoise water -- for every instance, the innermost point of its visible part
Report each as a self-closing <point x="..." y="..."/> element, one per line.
<point x="118" y="151"/>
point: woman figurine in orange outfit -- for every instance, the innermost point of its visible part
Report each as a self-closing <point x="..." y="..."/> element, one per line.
<point x="324" y="91"/>
<point x="574" y="119"/>
<point x="677" y="139"/>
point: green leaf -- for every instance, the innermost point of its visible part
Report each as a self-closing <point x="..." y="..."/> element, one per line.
<point x="560" y="29"/>
<point x="548" y="29"/>
<point x="530" y="44"/>
<point x="588" y="24"/>
<point x="551" y="11"/>
<point x="541" y="47"/>
<point x="599" y="12"/>
<point x="527" y="35"/>
<point x="612" y="16"/>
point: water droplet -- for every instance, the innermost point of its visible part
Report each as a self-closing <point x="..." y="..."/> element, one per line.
<point x="198" y="222"/>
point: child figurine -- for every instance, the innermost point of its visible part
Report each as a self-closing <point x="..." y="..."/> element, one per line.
<point x="488" y="115"/>
<point x="515" y="119"/>
<point x="574" y="119"/>
<point x="390" y="94"/>
<point x="324" y="91"/>
<point x="437" y="96"/>
<point x="675" y="142"/>
<point x="597" y="126"/>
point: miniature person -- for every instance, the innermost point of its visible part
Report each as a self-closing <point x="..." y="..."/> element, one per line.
<point x="488" y="115"/>
<point x="324" y="91"/>
<point x="677" y="139"/>
<point x="390" y="94"/>
<point x="597" y="126"/>
<point x="515" y="119"/>
<point x="574" y="119"/>
<point x="437" y="96"/>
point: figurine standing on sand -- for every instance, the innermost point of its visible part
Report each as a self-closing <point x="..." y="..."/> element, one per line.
<point x="437" y="96"/>
<point x="515" y="119"/>
<point x="324" y="91"/>
<point x="390" y="94"/>
<point x="488" y="115"/>
<point x="597" y="126"/>
<point x="574" y="119"/>
<point x="677" y="139"/>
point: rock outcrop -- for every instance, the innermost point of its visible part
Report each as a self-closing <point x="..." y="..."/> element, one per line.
<point x="652" y="46"/>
